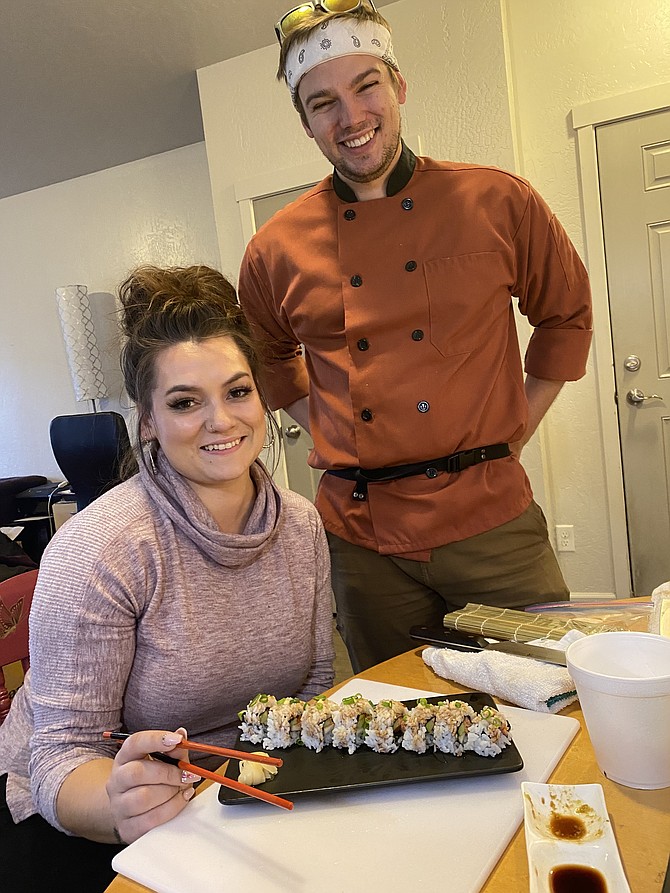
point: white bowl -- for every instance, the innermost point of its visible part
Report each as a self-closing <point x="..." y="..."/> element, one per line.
<point x="550" y="811"/>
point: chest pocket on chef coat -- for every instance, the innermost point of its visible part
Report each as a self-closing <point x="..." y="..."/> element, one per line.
<point x="467" y="295"/>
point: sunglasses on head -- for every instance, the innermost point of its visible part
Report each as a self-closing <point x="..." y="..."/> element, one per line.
<point x="293" y="17"/>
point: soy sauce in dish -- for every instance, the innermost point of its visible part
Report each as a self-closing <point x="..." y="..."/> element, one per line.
<point x="567" y="827"/>
<point x="576" y="879"/>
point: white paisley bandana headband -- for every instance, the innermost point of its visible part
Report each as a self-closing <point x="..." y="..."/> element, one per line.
<point x="338" y="37"/>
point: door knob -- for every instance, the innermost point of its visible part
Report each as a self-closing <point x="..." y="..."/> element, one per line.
<point x="293" y="432"/>
<point x="636" y="397"/>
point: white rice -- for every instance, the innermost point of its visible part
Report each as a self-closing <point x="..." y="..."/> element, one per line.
<point x="317" y="723"/>
<point x="283" y="729"/>
<point x="489" y="733"/>
<point x="254" y="718"/>
<point x="351" y="718"/>
<point x="387" y="724"/>
<point x="419" y="723"/>
<point x="452" y="722"/>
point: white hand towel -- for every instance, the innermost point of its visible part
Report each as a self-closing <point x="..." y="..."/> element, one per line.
<point x="546" y="688"/>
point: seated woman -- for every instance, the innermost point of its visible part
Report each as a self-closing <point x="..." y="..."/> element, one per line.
<point x="167" y="603"/>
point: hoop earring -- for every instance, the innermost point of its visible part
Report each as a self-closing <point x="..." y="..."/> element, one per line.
<point x="270" y="441"/>
<point x="148" y="449"/>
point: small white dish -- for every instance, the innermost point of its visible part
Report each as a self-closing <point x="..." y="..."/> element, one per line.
<point x="568" y="825"/>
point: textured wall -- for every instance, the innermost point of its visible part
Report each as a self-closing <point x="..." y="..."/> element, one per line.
<point x="462" y="86"/>
<point x="562" y="55"/>
<point x="91" y="230"/>
<point x="452" y="56"/>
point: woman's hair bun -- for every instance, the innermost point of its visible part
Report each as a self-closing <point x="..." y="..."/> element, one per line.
<point x="150" y="292"/>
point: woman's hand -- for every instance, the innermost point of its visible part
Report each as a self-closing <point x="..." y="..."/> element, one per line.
<point x="144" y="793"/>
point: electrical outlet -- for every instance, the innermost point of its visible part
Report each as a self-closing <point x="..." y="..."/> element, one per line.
<point x="565" y="537"/>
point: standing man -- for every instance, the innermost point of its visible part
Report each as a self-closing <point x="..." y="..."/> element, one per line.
<point x="397" y="274"/>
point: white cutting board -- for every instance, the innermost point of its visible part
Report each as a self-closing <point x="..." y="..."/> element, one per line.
<point x="414" y="836"/>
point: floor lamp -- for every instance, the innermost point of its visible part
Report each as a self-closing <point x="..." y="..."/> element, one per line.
<point x="83" y="356"/>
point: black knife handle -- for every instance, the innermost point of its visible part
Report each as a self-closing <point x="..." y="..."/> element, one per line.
<point x="448" y="638"/>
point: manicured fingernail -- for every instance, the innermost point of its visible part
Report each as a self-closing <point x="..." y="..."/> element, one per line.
<point x="170" y="739"/>
<point x="188" y="793"/>
<point x="189" y="777"/>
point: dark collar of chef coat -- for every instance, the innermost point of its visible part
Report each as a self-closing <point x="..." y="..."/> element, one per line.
<point x="400" y="177"/>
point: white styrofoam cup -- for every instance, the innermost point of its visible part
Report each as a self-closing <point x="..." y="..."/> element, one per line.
<point x="623" y="684"/>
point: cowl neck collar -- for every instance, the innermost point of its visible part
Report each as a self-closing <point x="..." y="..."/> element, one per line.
<point x="175" y="499"/>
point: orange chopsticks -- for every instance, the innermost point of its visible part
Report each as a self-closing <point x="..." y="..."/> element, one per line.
<point x="235" y="785"/>
<point x="250" y="791"/>
<point x="233" y="754"/>
<point x="211" y="748"/>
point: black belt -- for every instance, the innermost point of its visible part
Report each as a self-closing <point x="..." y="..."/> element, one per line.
<point x="431" y="468"/>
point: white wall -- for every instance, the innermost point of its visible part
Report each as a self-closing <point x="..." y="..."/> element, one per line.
<point x="562" y="55"/>
<point x="458" y="107"/>
<point x="493" y="83"/>
<point x="91" y="230"/>
<point x="462" y="88"/>
<point x="453" y="57"/>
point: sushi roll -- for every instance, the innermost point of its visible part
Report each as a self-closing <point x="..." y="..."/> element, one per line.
<point x="452" y="722"/>
<point x="489" y="733"/>
<point x="283" y="726"/>
<point x="386" y="726"/>
<point x="350" y="720"/>
<point x="254" y="718"/>
<point x="317" y="723"/>
<point x="451" y="726"/>
<point x="419" y="725"/>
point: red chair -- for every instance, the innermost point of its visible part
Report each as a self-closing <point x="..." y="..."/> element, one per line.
<point x="16" y="595"/>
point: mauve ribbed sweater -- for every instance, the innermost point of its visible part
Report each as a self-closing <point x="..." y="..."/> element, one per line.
<point x="147" y="616"/>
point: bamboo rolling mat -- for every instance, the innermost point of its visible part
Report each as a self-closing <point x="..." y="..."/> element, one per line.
<point x="511" y="625"/>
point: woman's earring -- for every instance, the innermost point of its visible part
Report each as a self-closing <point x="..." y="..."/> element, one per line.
<point x="148" y="448"/>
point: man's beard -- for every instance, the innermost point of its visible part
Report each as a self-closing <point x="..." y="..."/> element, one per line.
<point x="356" y="176"/>
<point x="367" y="177"/>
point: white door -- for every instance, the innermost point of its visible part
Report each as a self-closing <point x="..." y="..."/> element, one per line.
<point x="296" y="441"/>
<point x="634" y="171"/>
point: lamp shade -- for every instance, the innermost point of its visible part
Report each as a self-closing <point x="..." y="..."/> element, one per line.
<point x="81" y="346"/>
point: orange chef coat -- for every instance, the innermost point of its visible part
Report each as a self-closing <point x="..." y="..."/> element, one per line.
<point x="404" y="307"/>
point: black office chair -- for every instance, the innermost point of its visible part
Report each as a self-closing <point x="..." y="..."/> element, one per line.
<point x="90" y="449"/>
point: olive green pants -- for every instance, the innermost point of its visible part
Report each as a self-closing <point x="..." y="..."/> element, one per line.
<point x="379" y="597"/>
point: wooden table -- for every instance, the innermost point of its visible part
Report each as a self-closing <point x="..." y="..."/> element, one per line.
<point x="640" y="819"/>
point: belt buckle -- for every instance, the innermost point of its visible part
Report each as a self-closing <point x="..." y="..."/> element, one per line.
<point x="360" y="493"/>
<point x="454" y="463"/>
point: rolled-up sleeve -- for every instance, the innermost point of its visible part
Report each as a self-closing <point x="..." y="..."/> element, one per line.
<point x="284" y="377"/>
<point x="553" y="290"/>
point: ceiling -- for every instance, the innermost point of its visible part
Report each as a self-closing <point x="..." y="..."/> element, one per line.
<point x="89" y="84"/>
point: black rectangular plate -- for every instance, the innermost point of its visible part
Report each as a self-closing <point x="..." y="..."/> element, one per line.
<point x="307" y="772"/>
